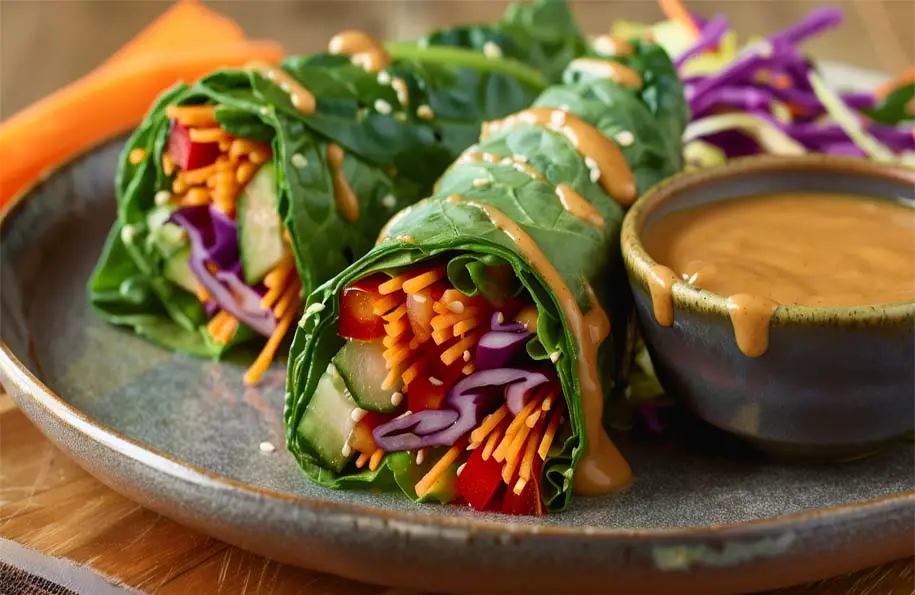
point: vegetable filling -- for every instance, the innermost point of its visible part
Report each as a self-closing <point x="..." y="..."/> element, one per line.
<point x="454" y="371"/>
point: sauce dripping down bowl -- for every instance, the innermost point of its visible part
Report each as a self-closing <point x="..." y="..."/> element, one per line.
<point x="823" y="382"/>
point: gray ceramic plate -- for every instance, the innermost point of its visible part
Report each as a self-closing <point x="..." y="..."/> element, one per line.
<point x="181" y="436"/>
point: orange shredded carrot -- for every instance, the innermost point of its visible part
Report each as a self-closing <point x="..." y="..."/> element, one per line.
<point x="675" y="11"/>
<point x="258" y="156"/>
<point x="423" y="280"/>
<point x="245" y="172"/>
<point x="192" y="115"/>
<point x="425" y="484"/>
<point x="168" y="164"/>
<point x="376" y="459"/>
<point x="468" y="369"/>
<point x="512" y="454"/>
<point x="195" y="197"/>
<point x="397" y="328"/>
<point x="276" y="288"/>
<point x="179" y="186"/>
<point x="390" y="341"/>
<point x="396" y="314"/>
<point x="492" y="442"/>
<point x="514" y="427"/>
<point x="216" y="323"/>
<point x="277" y="276"/>
<point x="263" y="360"/>
<point x="195" y="177"/>
<point x="443" y="321"/>
<point x="550" y="433"/>
<point x="442" y="335"/>
<point x="362" y="460"/>
<point x="393" y="284"/>
<point x="527" y="462"/>
<point x="392" y="376"/>
<point x="399" y="356"/>
<point x="289" y="297"/>
<point x="202" y="294"/>
<point x="467" y="324"/>
<point x="905" y="77"/>
<point x="385" y="304"/>
<point x="227" y="331"/>
<point x="137" y="156"/>
<point x="489" y="423"/>
<point x="451" y="355"/>
<point x="207" y="135"/>
<point x="413" y="371"/>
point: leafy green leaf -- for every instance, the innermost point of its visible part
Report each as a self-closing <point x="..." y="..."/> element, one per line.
<point x="896" y="107"/>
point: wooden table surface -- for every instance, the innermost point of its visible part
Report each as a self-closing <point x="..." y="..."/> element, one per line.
<point x="50" y="504"/>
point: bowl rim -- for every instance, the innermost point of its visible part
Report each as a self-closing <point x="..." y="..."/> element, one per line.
<point x="685" y="296"/>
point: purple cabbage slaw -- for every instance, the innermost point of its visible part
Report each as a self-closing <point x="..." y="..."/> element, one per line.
<point x="771" y="80"/>
<point x="214" y="260"/>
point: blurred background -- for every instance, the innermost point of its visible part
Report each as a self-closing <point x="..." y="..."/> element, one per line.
<point x="45" y="44"/>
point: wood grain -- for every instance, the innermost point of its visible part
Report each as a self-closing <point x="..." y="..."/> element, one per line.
<point x="51" y="505"/>
<point x="48" y="503"/>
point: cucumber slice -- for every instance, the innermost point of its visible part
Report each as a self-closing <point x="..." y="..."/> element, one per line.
<point x="363" y="369"/>
<point x="260" y="231"/>
<point x="328" y="421"/>
<point x="178" y="271"/>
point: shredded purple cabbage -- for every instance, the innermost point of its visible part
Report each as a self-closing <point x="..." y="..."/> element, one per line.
<point x="215" y="262"/>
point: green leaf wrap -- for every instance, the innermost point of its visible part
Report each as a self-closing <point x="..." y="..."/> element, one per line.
<point x="582" y="253"/>
<point x="388" y="153"/>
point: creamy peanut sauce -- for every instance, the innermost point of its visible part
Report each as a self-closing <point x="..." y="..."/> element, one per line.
<point x="616" y="72"/>
<point x="576" y="205"/>
<point x="362" y="49"/>
<point x="301" y="98"/>
<point x="809" y="249"/>
<point x="602" y="468"/>
<point x="344" y="197"/>
<point x="615" y="177"/>
<point x="611" y="45"/>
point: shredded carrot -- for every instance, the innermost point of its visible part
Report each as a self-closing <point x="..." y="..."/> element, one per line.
<point x="259" y="156"/>
<point x="517" y="425"/>
<point x="192" y="115"/>
<point x="532" y="419"/>
<point x="227" y="331"/>
<point x="397" y="328"/>
<point x="214" y="326"/>
<point x="489" y="423"/>
<point x="441" y="336"/>
<point x="137" y="156"/>
<point x="413" y="371"/>
<point x="390" y="341"/>
<point x="393" y="284"/>
<point x="453" y="353"/>
<point x="263" y="360"/>
<point x="385" y="304"/>
<point x="675" y="11"/>
<point x="277" y="276"/>
<point x="467" y="324"/>
<point x="289" y="297"/>
<point x="195" y="197"/>
<point x="396" y="314"/>
<point x="179" y="186"/>
<point x="443" y="321"/>
<point x="362" y="460"/>
<point x="491" y="443"/>
<point x="512" y="454"/>
<point x="168" y="164"/>
<point x="245" y="172"/>
<point x="425" y="484"/>
<point x="391" y="378"/>
<point x="468" y="369"/>
<point x="550" y="433"/>
<point x="905" y="77"/>
<point x="195" y="177"/>
<point x="527" y="462"/>
<point x="202" y="294"/>
<point x="376" y="459"/>
<point x="207" y="135"/>
<point x="423" y="280"/>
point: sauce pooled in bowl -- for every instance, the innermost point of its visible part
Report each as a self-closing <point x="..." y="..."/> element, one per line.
<point x="799" y="248"/>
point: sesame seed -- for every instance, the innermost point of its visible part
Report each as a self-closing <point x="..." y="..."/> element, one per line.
<point x="481" y="183"/>
<point x="558" y="118"/>
<point x="382" y="106"/>
<point x="425" y="112"/>
<point x="419" y="297"/>
<point x="264" y="110"/>
<point x="420" y="456"/>
<point x="404" y="414"/>
<point x="128" y="234"/>
<point x="466" y="356"/>
<point x="384" y="77"/>
<point x="389" y="201"/>
<point x="625" y="138"/>
<point x="267" y="447"/>
<point x="162" y="197"/>
<point x="357" y="414"/>
<point x="347" y="450"/>
<point x="589" y="161"/>
<point x="595" y="175"/>
<point x="491" y="50"/>
<point x="554" y="357"/>
<point x="456" y="307"/>
<point x="299" y="160"/>
<point x="506" y="161"/>
<point x="500" y="318"/>
<point x="396" y="398"/>
<point x="765" y="49"/>
<point x="461" y="468"/>
<point x="520" y="159"/>
<point x="435" y="381"/>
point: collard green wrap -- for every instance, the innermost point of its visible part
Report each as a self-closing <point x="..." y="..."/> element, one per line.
<point x="395" y="151"/>
<point x="652" y="118"/>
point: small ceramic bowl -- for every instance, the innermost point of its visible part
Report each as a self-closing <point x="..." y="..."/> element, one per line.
<point x="835" y="382"/>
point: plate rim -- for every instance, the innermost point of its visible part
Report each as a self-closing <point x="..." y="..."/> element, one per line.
<point x="29" y="385"/>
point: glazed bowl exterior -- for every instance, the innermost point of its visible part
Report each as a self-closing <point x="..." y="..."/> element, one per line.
<point x="835" y="382"/>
